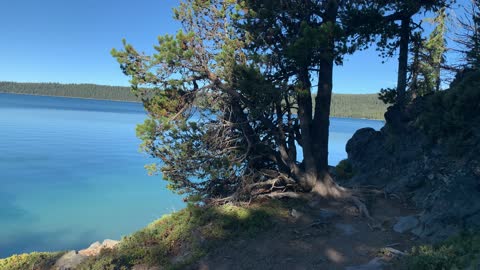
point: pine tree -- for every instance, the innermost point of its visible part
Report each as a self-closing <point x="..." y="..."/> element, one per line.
<point x="253" y="62"/>
<point x="428" y="57"/>
<point x="395" y="26"/>
<point x="472" y="41"/>
<point x="434" y="54"/>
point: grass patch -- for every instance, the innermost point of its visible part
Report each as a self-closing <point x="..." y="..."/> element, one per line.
<point x="181" y="238"/>
<point x="32" y="261"/>
<point x="459" y="252"/>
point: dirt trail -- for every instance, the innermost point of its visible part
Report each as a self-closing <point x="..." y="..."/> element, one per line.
<point x="316" y="236"/>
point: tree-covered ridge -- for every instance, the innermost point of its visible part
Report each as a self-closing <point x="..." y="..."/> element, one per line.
<point x="92" y="91"/>
<point x="357" y="106"/>
<point x="343" y="105"/>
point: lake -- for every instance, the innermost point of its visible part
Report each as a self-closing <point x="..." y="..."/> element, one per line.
<point x="71" y="172"/>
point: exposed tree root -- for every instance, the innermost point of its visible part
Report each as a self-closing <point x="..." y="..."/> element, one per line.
<point x="281" y="195"/>
<point x="282" y="187"/>
<point x="330" y="190"/>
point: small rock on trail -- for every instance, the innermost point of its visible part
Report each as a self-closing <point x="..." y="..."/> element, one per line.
<point x="405" y="224"/>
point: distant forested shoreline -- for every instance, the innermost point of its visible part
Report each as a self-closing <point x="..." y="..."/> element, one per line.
<point x="343" y="105"/>
<point x="93" y="91"/>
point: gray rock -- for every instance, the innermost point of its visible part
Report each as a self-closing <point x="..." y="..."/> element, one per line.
<point x="69" y="261"/>
<point x="327" y="214"/>
<point x="415" y="183"/>
<point x="418" y="231"/>
<point x="375" y="264"/>
<point x="346" y="229"/>
<point x="295" y="214"/>
<point x="95" y="248"/>
<point x="400" y="159"/>
<point x="394" y="252"/>
<point x="405" y="224"/>
<point x="109" y="243"/>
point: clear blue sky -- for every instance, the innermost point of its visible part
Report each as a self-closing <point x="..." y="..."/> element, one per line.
<point x="70" y="42"/>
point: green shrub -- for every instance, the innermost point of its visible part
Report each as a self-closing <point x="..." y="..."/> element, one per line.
<point x="32" y="261"/>
<point x="460" y="252"/>
<point x="187" y="234"/>
<point x="450" y="117"/>
<point x="344" y="169"/>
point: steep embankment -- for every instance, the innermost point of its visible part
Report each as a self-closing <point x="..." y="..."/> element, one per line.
<point x="428" y="155"/>
<point x="343" y="105"/>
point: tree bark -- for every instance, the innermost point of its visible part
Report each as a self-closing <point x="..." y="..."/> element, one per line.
<point x="322" y="114"/>
<point x="321" y="121"/>
<point x="403" y="61"/>
<point x="305" y="115"/>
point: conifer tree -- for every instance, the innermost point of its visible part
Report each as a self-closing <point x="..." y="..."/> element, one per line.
<point x="230" y="97"/>
<point x="395" y="25"/>
<point x="469" y="36"/>
<point x="435" y="48"/>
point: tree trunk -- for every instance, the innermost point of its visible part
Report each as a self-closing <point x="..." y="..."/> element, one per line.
<point x="321" y="123"/>
<point x="437" y="77"/>
<point x="415" y="69"/>
<point x="403" y="61"/>
<point x="325" y="185"/>
<point x="305" y="115"/>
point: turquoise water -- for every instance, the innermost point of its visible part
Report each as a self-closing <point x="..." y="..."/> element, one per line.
<point x="71" y="172"/>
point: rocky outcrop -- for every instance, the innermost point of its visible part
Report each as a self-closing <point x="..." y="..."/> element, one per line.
<point x="401" y="160"/>
<point x="72" y="259"/>
<point x="69" y="261"/>
<point x="95" y="248"/>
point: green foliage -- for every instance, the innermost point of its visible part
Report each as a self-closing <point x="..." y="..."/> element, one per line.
<point x="469" y="37"/>
<point x="428" y="57"/>
<point x="187" y="90"/>
<point x="357" y="106"/>
<point x="388" y="95"/>
<point x="435" y="48"/>
<point x="460" y="252"/>
<point x="32" y="261"/>
<point x="450" y="117"/>
<point x="70" y="90"/>
<point x="344" y="169"/>
<point x="187" y="234"/>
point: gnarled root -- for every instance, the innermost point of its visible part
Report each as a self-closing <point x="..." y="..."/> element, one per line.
<point x="328" y="189"/>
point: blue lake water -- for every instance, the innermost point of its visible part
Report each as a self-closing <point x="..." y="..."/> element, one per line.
<point x="71" y="172"/>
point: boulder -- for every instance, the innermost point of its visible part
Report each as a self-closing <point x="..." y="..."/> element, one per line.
<point x="69" y="261"/>
<point x="402" y="160"/>
<point x="405" y="224"/>
<point x="95" y="248"/>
